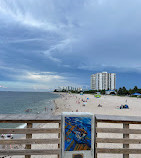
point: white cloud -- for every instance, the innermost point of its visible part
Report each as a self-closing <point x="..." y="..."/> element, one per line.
<point x="50" y="56"/>
<point x="25" y="40"/>
<point x="59" y="47"/>
<point x="40" y="77"/>
<point x="34" y="81"/>
<point x="20" y="13"/>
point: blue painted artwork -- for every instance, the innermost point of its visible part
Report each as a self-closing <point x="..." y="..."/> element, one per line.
<point x="77" y="133"/>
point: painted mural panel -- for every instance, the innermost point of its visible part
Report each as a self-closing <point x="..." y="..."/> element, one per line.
<point x="77" y="133"/>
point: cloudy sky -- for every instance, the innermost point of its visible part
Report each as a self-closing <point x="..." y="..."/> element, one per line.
<point x="49" y="43"/>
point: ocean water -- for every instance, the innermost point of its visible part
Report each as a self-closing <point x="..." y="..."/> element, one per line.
<point x="19" y="102"/>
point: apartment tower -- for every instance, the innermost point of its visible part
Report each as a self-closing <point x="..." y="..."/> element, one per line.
<point x="104" y="80"/>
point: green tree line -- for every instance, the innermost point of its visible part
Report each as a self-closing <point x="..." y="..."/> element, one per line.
<point x="124" y="91"/>
<point x="121" y="91"/>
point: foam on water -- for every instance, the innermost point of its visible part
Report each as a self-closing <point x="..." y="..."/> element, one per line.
<point x="22" y="126"/>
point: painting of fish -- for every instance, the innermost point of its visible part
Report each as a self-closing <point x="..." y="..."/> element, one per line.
<point x="77" y="133"/>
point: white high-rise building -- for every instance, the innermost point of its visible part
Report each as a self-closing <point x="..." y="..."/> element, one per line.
<point x="104" y="80"/>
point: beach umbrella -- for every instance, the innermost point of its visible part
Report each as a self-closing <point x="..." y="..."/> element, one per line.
<point x="136" y="94"/>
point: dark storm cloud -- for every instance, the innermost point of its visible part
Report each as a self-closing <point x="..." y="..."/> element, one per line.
<point x="68" y="40"/>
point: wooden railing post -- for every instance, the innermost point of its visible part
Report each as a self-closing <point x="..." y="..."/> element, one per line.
<point x="126" y="126"/>
<point x="95" y="136"/>
<point x="28" y="136"/>
<point x="59" y="136"/>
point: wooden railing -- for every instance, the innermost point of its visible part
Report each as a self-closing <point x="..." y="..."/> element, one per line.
<point x="113" y="135"/>
<point x="119" y="132"/>
<point x="28" y="140"/>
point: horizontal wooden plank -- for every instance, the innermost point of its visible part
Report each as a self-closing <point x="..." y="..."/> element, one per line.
<point x="115" y="140"/>
<point x="30" y="152"/>
<point x="118" y="119"/>
<point x="29" y="118"/>
<point x="43" y="118"/>
<point x="29" y="130"/>
<point x="118" y="130"/>
<point x="118" y="151"/>
<point x="30" y="141"/>
<point x="30" y="121"/>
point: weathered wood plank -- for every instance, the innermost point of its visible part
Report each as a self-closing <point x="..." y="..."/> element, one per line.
<point x="43" y="118"/>
<point x="95" y="136"/>
<point x="28" y="136"/>
<point x="118" y="151"/>
<point x="118" y="119"/>
<point x="118" y="130"/>
<point x="121" y="141"/>
<point x="30" y="121"/>
<point x="30" y="152"/>
<point x="30" y="141"/>
<point x="59" y="136"/>
<point x="29" y="118"/>
<point x="29" y="130"/>
<point x="126" y="146"/>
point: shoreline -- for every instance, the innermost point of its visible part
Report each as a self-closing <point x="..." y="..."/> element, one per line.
<point x="48" y="111"/>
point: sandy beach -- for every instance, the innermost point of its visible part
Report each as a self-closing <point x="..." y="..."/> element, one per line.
<point x="88" y="103"/>
<point x="110" y="104"/>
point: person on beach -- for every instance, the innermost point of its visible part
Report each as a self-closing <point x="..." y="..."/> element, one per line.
<point x="99" y="105"/>
<point x="3" y="136"/>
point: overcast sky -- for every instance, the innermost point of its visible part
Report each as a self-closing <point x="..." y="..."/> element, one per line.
<point x="49" y="43"/>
